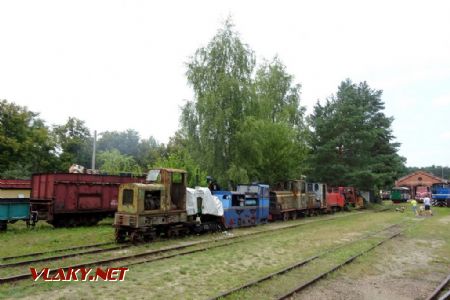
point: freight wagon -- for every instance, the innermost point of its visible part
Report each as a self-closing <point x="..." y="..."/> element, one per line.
<point x="14" y="202"/>
<point x="68" y="199"/>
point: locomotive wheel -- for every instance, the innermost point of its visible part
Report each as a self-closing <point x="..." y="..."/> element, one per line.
<point x="120" y="235"/>
<point x="136" y="237"/>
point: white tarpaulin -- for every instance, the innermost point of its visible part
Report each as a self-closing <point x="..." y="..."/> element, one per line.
<point x="210" y="205"/>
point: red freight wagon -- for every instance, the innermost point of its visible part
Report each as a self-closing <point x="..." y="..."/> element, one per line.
<point x="69" y="199"/>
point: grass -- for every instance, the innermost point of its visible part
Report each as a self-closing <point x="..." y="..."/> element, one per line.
<point x="205" y="274"/>
<point x="19" y="240"/>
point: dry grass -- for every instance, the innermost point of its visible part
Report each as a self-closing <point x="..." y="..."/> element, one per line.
<point x="208" y="273"/>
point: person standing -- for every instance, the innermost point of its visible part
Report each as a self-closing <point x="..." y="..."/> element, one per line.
<point x="427" y="203"/>
<point x="414" y="206"/>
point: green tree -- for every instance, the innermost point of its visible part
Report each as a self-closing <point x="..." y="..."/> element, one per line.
<point x="127" y="142"/>
<point x="352" y="141"/>
<point x="74" y="143"/>
<point x="25" y="144"/>
<point x="220" y="75"/>
<point x="149" y="152"/>
<point x="113" y="162"/>
<point x="277" y="96"/>
<point x="269" y="152"/>
<point x="179" y="157"/>
<point x="237" y="110"/>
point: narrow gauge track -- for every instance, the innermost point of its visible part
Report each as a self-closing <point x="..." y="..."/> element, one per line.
<point x="438" y="292"/>
<point x="172" y="248"/>
<point x="307" y="261"/>
<point x="317" y="278"/>
<point x="52" y="258"/>
<point x="6" y="258"/>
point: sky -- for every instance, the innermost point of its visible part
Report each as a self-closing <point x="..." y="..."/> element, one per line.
<point x="121" y="65"/>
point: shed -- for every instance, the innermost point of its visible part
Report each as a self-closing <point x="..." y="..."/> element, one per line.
<point x="418" y="179"/>
<point x="15" y="188"/>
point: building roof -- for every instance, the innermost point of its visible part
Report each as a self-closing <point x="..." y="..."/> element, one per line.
<point x="419" y="173"/>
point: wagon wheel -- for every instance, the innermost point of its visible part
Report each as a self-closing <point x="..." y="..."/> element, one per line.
<point x="3" y="225"/>
<point x="285" y="216"/>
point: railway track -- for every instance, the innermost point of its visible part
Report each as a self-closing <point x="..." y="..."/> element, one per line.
<point x="309" y="260"/>
<point x="440" y="293"/>
<point x="53" y="258"/>
<point x="6" y="258"/>
<point x="91" y="246"/>
<point x="151" y="255"/>
<point x="97" y="248"/>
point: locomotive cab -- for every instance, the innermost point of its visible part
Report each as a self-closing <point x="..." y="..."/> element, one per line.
<point x="155" y="208"/>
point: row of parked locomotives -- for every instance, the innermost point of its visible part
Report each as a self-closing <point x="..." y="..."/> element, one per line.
<point x="165" y="207"/>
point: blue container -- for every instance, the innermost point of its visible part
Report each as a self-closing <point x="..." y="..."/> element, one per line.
<point x="14" y="209"/>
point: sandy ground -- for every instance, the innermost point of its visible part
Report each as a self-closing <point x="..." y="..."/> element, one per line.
<point x="401" y="269"/>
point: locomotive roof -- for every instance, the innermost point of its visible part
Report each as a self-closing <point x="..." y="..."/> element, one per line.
<point x="171" y="170"/>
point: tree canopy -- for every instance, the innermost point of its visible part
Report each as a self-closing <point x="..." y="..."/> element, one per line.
<point x="235" y="114"/>
<point x="351" y="140"/>
<point x="25" y="142"/>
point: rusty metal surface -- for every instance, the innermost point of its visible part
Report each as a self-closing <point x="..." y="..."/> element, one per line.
<point x="15" y="184"/>
<point x="65" y="193"/>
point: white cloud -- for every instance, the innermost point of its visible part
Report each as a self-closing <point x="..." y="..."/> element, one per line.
<point x="441" y="101"/>
<point x="445" y="135"/>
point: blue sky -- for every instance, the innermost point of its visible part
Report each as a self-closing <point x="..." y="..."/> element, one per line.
<point x="121" y="64"/>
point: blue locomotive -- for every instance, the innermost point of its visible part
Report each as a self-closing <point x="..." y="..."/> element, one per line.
<point x="440" y="194"/>
<point x="247" y="206"/>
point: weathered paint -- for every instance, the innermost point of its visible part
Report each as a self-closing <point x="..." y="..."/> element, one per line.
<point x="248" y="207"/>
<point x="66" y="194"/>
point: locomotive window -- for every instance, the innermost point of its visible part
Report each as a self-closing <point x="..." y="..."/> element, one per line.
<point x="153" y="175"/>
<point x="316" y="187"/>
<point x="127" y="197"/>
<point x="303" y="189"/>
<point x="251" y="202"/>
<point x="237" y="200"/>
<point x="152" y="200"/>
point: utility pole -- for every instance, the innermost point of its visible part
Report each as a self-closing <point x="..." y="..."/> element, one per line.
<point x="93" y="150"/>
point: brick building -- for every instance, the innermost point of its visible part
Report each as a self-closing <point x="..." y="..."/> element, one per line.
<point x="418" y="179"/>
